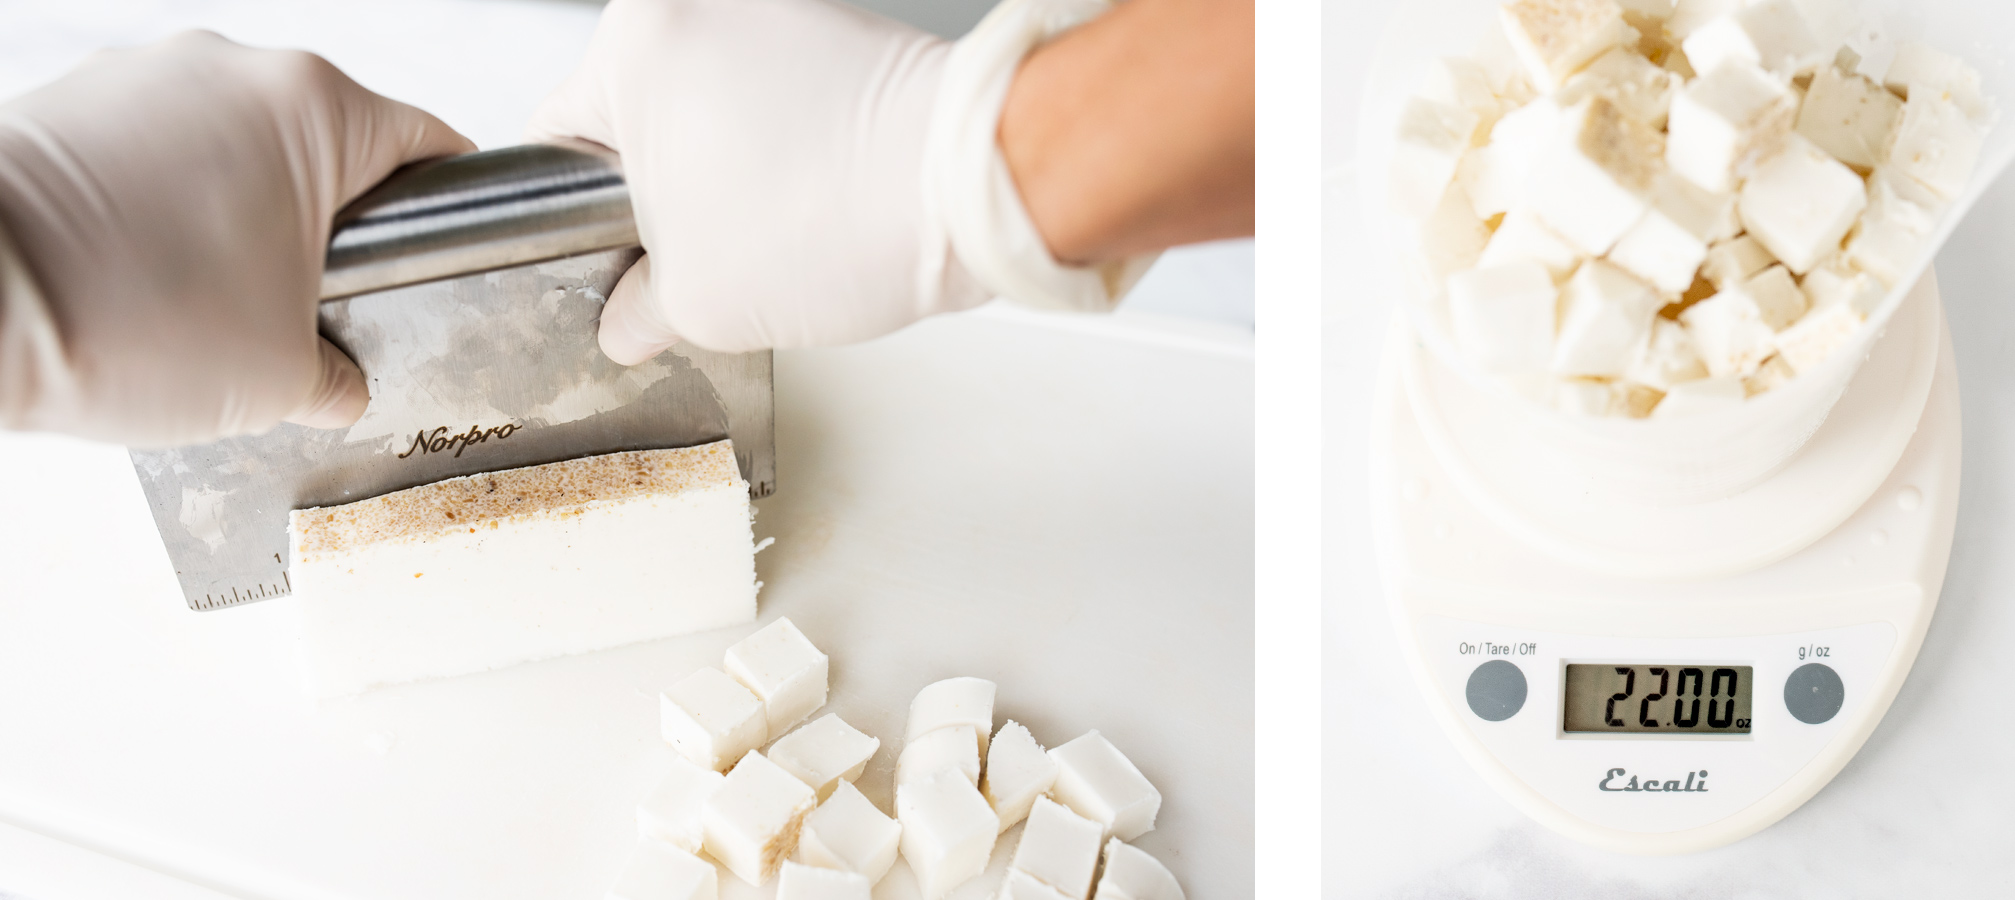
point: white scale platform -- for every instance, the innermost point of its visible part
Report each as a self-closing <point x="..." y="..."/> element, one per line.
<point x="1501" y="572"/>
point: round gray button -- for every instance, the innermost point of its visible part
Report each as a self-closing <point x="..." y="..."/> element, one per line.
<point x="1496" y="691"/>
<point x="1813" y="693"/>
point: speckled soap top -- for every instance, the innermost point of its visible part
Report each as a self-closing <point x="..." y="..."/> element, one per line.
<point x="474" y="501"/>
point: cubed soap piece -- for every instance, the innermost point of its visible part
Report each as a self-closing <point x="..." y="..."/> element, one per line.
<point x="1688" y="15"/>
<point x="1769" y="34"/>
<point x="1666" y="246"/>
<point x="1774" y="373"/>
<point x="1703" y="397"/>
<point x="1800" y="203"/>
<point x="1464" y="83"/>
<point x="825" y="753"/>
<point x="1098" y="782"/>
<point x="712" y="719"/>
<point x="673" y="811"/>
<point x="468" y="574"/>
<point x="950" y="703"/>
<point x="1639" y="88"/>
<point x="1735" y="330"/>
<point x="752" y="820"/>
<point x="1556" y="38"/>
<point x="1503" y="316"/>
<point x="1596" y="180"/>
<point x="1935" y="144"/>
<point x="1733" y="262"/>
<point x="659" y="871"/>
<point x="847" y="832"/>
<point x="1668" y="358"/>
<point x="1432" y="137"/>
<point x="948" y="831"/>
<point x="1919" y="68"/>
<point x="1605" y="314"/>
<point x="1059" y="848"/>
<point x="1132" y="874"/>
<point x="1493" y="176"/>
<point x="952" y="748"/>
<point x="1448" y="240"/>
<point x="1521" y="237"/>
<point x="1826" y="287"/>
<point x="1849" y="117"/>
<point x="1807" y="344"/>
<point x="1896" y="227"/>
<point x="1019" y="885"/>
<point x="799" y="882"/>
<point x="781" y="666"/>
<point x="1018" y="770"/>
<point x="1723" y="121"/>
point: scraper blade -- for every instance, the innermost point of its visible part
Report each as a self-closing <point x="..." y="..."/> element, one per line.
<point x="468" y="372"/>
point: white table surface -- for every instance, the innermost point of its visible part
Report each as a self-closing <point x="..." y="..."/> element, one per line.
<point x="1061" y="505"/>
<point x="1922" y="811"/>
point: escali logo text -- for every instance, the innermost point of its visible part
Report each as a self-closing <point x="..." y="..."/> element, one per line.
<point x="440" y="441"/>
<point x="1613" y="781"/>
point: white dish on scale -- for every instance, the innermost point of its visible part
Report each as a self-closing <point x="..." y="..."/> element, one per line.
<point x="1565" y="639"/>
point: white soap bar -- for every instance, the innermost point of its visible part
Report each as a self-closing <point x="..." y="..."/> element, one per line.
<point x="752" y="820"/>
<point x="848" y="832"/>
<point x="658" y="871"/>
<point x="1432" y="137"/>
<point x="784" y="669"/>
<point x="1768" y="34"/>
<point x="1807" y="344"/>
<point x="712" y="719"/>
<point x="1935" y="144"/>
<point x="1723" y="121"/>
<point x="1640" y="89"/>
<point x="674" y="810"/>
<point x="1849" y="117"/>
<point x="1555" y="38"/>
<point x="1503" y="316"/>
<point x="1702" y="397"/>
<point x="1493" y="176"/>
<point x="1595" y="181"/>
<point x="1734" y="261"/>
<point x="1019" y="885"/>
<point x="948" y="831"/>
<point x="1605" y="315"/>
<point x="954" y="748"/>
<point x="1098" y="782"/>
<point x="801" y="882"/>
<point x="825" y="753"/>
<point x="1666" y="246"/>
<point x="478" y="573"/>
<point x="1018" y="770"/>
<point x="1131" y="874"/>
<point x="1918" y="68"/>
<point x="1464" y="83"/>
<point x="1521" y="237"/>
<point x="1059" y="848"/>
<point x="950" y="703"/>
<point x="1668" y="358"/>
<point x="1800" y="202"/>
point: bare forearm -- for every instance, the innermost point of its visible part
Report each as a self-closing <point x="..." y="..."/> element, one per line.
<point x="1135" y="131"/>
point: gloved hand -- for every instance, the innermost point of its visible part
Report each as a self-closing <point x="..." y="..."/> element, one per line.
<point x="806" y="173"/>
<point x="168" y="208"/>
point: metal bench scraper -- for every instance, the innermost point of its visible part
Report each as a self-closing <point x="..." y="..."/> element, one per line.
<point x="468" y="290"/>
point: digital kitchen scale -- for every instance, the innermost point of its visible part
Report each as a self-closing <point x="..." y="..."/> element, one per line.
<point x="1664" y="679"/>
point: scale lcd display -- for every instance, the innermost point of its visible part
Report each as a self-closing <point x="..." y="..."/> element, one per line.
<point x="1655" y="699"/>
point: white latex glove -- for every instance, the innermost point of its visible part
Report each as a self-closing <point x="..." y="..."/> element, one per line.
<point x="168" y="208"/>
<point x="807" y="173"/>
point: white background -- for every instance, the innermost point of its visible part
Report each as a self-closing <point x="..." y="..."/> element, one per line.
<point x="1922" y="811"/>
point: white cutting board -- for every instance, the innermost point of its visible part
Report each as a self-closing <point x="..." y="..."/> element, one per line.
<point x="1063" y="506"/>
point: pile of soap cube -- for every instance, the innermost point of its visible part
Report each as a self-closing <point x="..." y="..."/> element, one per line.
<point x="791" y="812"/>
<point x="1642" y="207"/>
